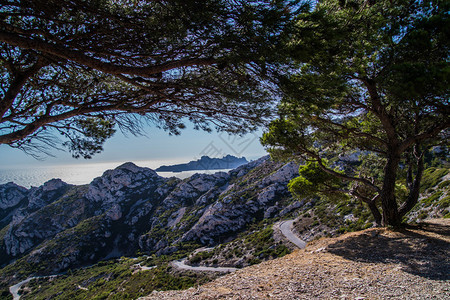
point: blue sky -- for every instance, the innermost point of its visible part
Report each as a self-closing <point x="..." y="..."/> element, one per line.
<point x="157" y="145"/>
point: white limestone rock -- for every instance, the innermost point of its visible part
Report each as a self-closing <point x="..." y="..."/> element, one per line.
<point x="137" y="198"/>
<point x="50" y="191"/>
<point x="282" y="175"/>
<point x="244" y="169"/>
<point x="53" y="184"/>
<point x="267" y="194"/>
<point x="292" y="207"/>
<point x="194" y="187"/>
<point x="113" y="185"/>
<point x="176" y="217"/>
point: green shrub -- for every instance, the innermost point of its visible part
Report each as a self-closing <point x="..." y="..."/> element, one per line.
<point x="430" y="200"/>
<point x="195" y="259"/>
<point x="444" y="202"/>
<point x="444" y="184"/>
<point x="431" y="177"/>
<point x="342" y="229"/>
<point x="422" y="215"/>
<point x="5" y="294"/>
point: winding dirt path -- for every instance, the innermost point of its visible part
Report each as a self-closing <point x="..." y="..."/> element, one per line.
<point x="14" y="289"/>
<point x="286" y="230"/>
<point x="181" y="264"/>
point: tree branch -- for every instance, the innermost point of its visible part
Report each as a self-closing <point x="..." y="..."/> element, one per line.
<point x="340" y="175"/>
<point x="353" y="131"/>
<point x="380" y="111"/>
<point x="414" y="190"/>
<point x="18" y="81"/>
<point x="433" y="131"/>
<point x="81" y="58"/>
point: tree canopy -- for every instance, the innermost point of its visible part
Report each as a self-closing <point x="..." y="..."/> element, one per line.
<point x="370" y="94"/>
<point x="79" y="69"/>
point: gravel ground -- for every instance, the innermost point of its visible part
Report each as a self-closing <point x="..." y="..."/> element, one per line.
<point x="371" y="264"/>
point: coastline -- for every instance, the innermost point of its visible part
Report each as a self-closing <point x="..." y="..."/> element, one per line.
<point x="79" y="174"/>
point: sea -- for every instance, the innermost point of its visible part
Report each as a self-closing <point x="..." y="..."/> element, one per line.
<point x="78" y="174"/>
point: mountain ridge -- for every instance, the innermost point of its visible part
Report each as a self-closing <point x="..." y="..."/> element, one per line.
<point x="206" y="163"/>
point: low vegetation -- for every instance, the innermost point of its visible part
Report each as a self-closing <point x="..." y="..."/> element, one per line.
<point x="115" y="279"/>
<point x="255" y="245"/>
<point x="435" y="199"/>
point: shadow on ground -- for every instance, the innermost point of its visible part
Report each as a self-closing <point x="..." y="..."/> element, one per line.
<point x="422" y="251"/>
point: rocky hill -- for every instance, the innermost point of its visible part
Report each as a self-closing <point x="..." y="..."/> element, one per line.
<point x="206" y="163"/>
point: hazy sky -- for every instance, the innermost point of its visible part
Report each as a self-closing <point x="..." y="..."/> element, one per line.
<point x="158" y="145"/>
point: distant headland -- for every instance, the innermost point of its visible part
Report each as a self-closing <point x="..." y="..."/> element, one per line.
<point x="206" y="163"/>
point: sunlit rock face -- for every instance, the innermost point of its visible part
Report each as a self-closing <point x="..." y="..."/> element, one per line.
<point x="115" y="185"/>
<point x="39" y="197"/>
<point x="240" y="203"/>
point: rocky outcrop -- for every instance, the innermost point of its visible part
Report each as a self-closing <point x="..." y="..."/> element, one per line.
<point x="27" y="231"/>
<point x="12" y="197"/>
<point x="116" y="185"/>
<point x="11" y="194"/>
<point x="206" y="163"/>
<point x="239" y="204"/>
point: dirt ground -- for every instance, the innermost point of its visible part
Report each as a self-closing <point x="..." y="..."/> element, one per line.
<point x="377" y="263"/>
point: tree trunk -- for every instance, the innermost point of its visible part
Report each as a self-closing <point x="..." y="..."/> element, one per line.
<point x="414" y="190"/>
<point x="391" y="216"/>
<point x="375" y="212"/>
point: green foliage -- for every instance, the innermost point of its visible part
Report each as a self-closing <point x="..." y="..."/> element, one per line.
<point x="430" y="200"/>
<point x="401" y="192"/>
<point x="312" y="180"/>
<point x="195" y="259"/>
<point x="444" y="184"/>
<point x="5" y="294"/>
<point x="111" y="280"/>
<point x="89" y="137"/>
<point x="435" y="201"/>
<point x="3" y="231"/>
<point x="422" y="215"/>
<point x="365" y="83"/>
<point x="253" y="246"/>
<point x="432" y="176"/>
<point x="444" y="202"/>
<point x="321" y="215"/>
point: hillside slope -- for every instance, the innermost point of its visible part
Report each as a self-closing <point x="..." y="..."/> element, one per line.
<point x="370" y="264"/>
